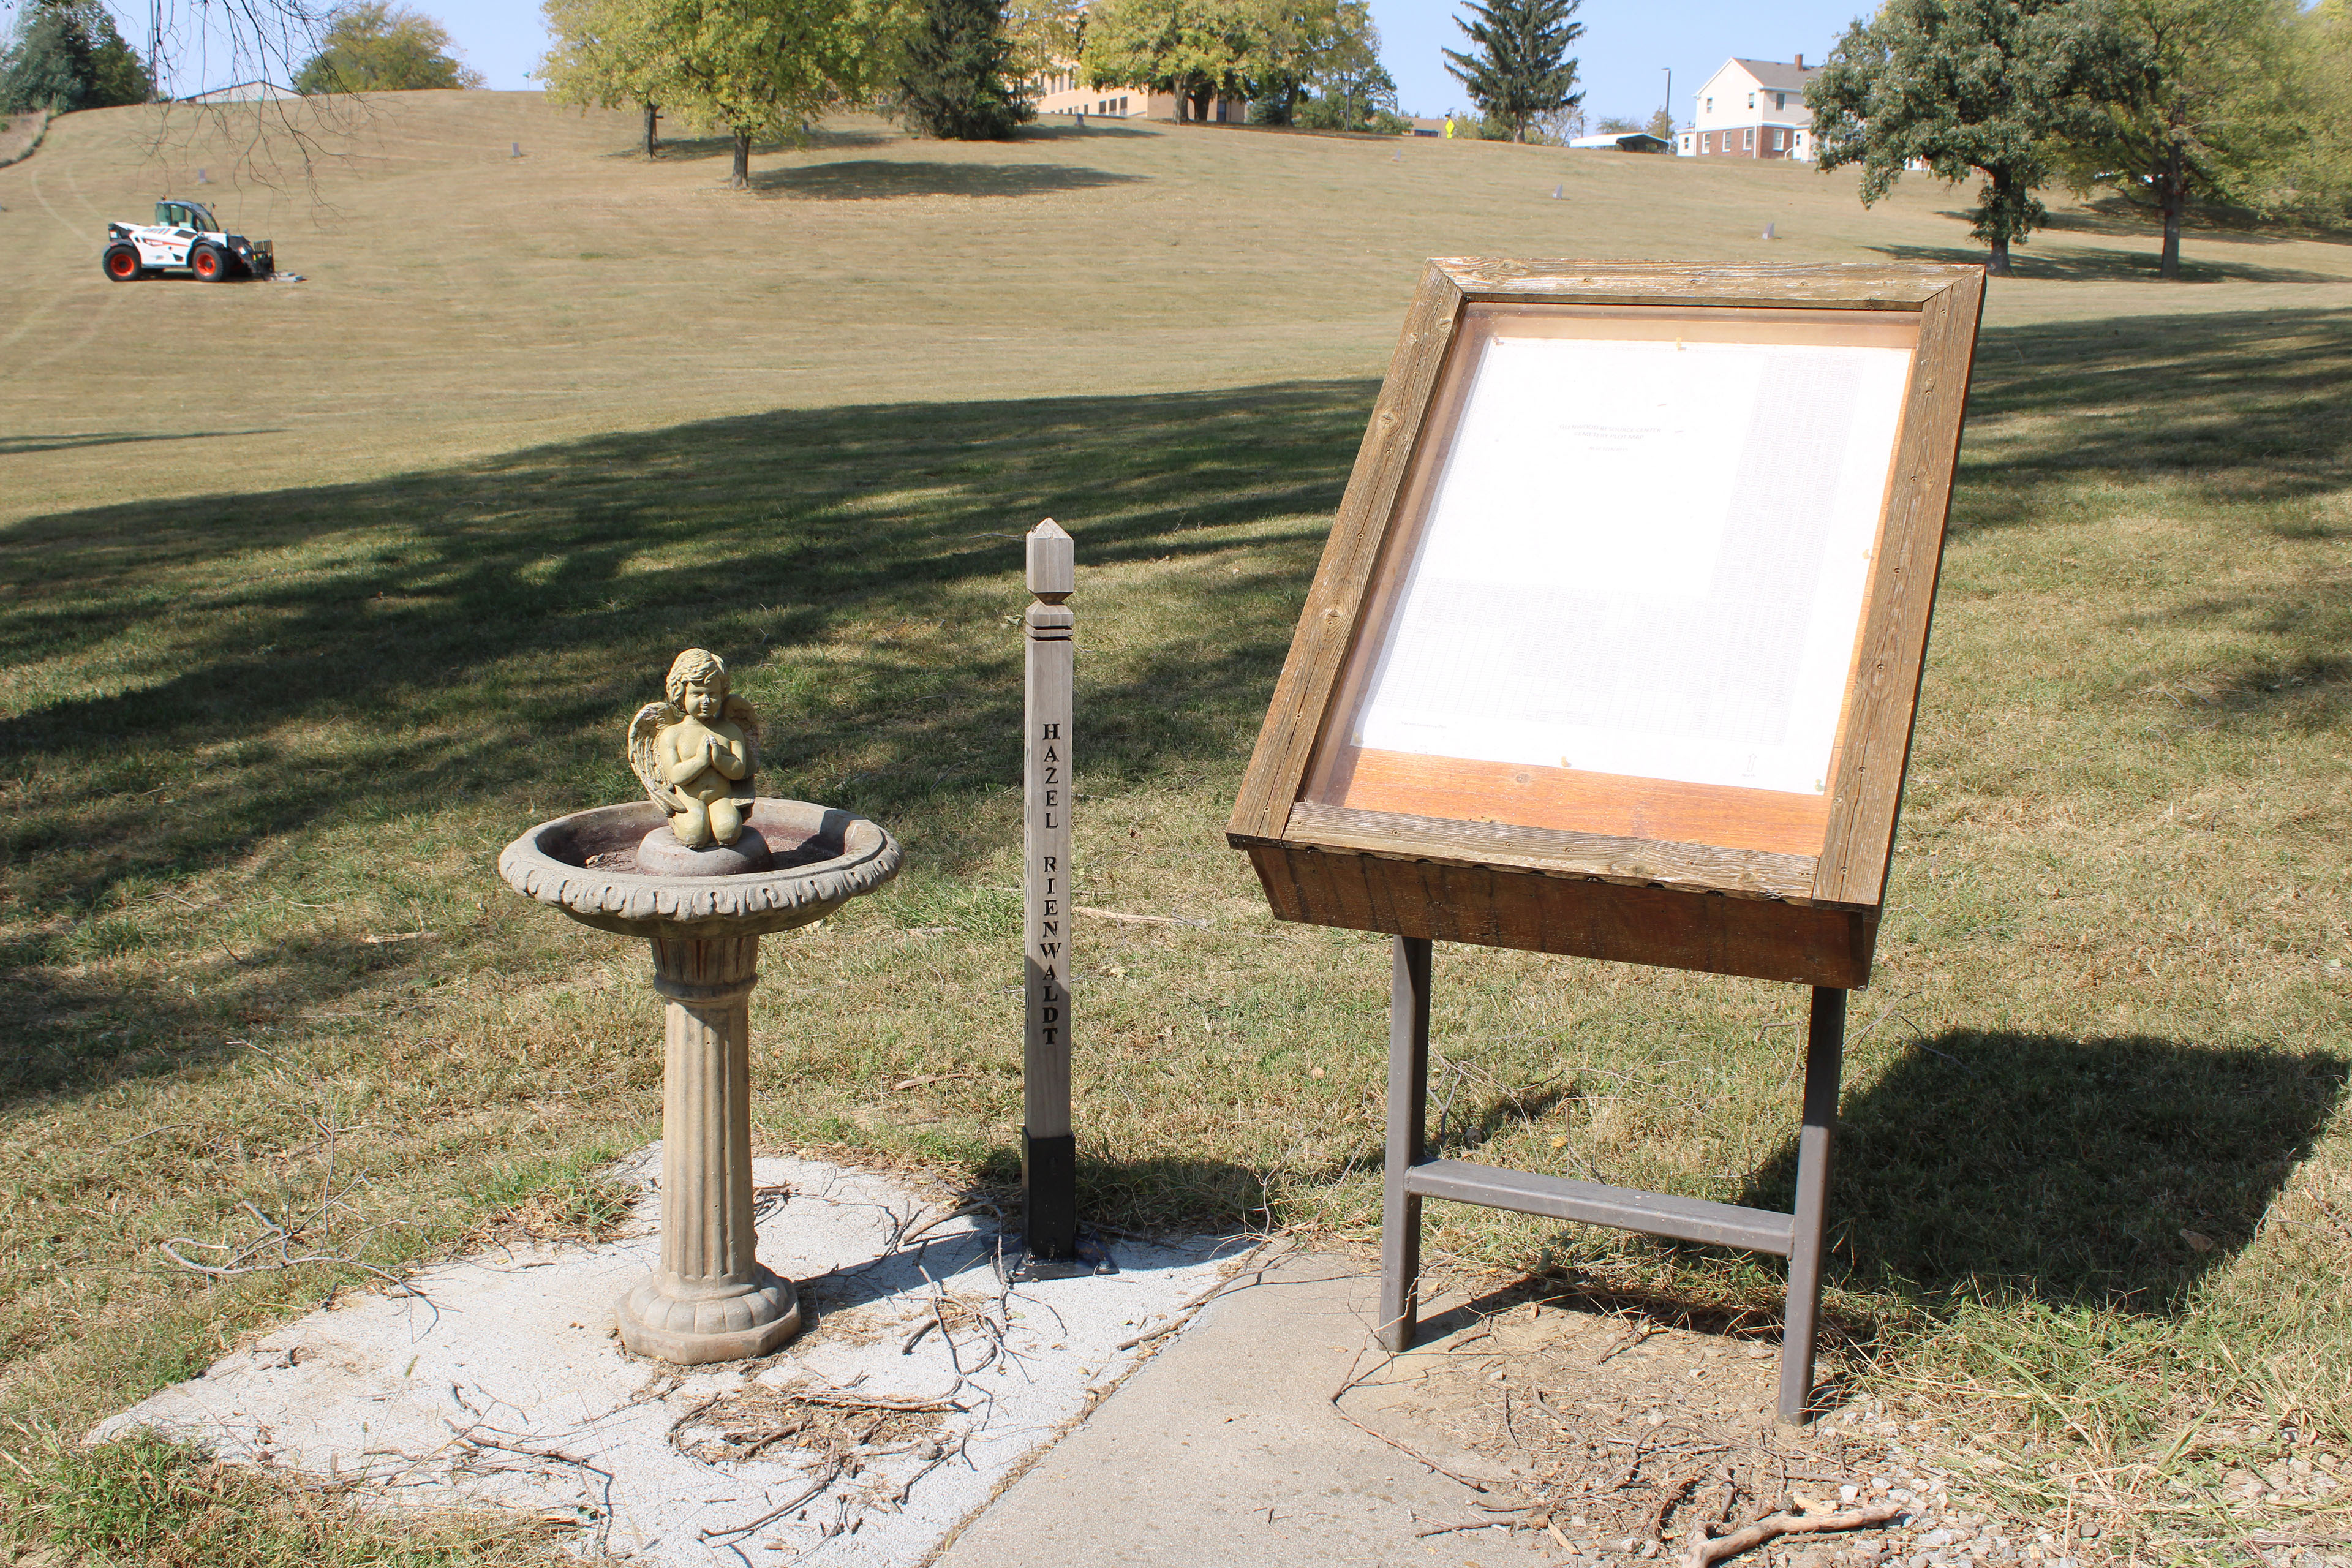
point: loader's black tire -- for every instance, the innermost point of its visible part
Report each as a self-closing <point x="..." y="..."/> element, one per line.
<point x="121" y="263"/>
<point x="209" y="262"/>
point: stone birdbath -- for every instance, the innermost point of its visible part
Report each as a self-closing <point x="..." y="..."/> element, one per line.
<point x="703" y="868"/>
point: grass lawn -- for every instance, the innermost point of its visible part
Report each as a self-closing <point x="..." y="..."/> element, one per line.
<point x="312" y="596"/>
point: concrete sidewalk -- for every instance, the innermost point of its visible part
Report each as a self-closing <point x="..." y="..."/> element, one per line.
<point x="1224" y="1450"/>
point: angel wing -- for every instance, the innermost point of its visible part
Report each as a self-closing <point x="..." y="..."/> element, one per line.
<point x="741" y="714"/>
<point x="651" y="721"/>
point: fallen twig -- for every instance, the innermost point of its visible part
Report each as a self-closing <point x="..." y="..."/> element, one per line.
<point x="1137" y="920"/>
<point x="1701" y="1552"/>
<point x="1160" y="1333"/>
<point x="736" y="1532"/>
<point x="907" y="1083"/>
<point x="1476" y="1486"/>
<point x="854" y="1402"/>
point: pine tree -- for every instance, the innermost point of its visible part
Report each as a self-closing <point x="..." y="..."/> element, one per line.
<point x="1522" y="68"/>
<point x="66" y="54"/>
<point x="957" y="81"/>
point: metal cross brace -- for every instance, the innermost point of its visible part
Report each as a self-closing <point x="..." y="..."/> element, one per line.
<point x="1413" y="1176"/>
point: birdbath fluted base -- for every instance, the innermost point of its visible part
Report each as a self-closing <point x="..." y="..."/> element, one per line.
<point x="711" y="1299"/>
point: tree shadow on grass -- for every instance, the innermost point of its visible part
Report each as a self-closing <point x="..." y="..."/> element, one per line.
<point x="17" y="444"/>
<point x="206" y="683"/>
<point x="2069" y="264"/>
<point x="2249" y="404"/>
<point x="882" y="179"/>
<point x="695" y="149"/>
<point x="2084" y="1171"/>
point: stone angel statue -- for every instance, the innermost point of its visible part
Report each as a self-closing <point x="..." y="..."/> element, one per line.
<point x="695" y="753"/>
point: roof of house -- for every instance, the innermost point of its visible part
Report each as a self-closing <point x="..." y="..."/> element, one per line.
<point x="1778" y="75"/>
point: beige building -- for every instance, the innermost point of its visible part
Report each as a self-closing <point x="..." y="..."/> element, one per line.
<point x="1064" y="94"/>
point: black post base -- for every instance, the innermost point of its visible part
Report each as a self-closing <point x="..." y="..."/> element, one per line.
<point x="1049" y="1197"/>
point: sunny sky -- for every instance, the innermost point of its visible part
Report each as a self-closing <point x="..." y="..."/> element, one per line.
<point x="1627" y="51"/>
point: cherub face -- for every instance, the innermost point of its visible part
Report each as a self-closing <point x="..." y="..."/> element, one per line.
<point x="702" y="699"/>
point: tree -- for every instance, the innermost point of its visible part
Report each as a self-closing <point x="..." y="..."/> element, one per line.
<point x="1962" y="87"/>
<point x="1047" y="36"/>
<point x="66" y="54"/>
<point x="2188" y="99"/>
<point x="1197" y="49"/>
<point x="1303" y="45"/>
<point x="1615" y="125"/>
<point x="957" y="83"/>
<point x="1351" y="101"/>
<point x="1522" y="68"/>
<point x="1661" y="125"/>
<point x="372" y="46"/>
<point x="764" y="68"/>
<point x="608" y="54"/>
<point x="757" y="69"/>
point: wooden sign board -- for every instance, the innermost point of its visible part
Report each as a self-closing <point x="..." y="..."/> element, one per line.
<point x="1614" y="647"/>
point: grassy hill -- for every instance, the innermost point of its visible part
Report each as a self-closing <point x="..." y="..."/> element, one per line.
<point x="313" y="595"/>
<point x="460" y="301"/>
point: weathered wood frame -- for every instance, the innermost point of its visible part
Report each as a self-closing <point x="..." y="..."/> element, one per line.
<point x="1811" y="920"/>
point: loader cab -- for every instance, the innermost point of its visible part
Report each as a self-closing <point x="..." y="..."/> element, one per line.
<point x="185" y="214"/>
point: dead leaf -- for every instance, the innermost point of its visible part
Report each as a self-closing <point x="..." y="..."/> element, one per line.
<point x="2198" y="1240"/>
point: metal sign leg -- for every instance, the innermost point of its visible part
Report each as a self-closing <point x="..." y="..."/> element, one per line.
<point x="1824" y="1063"/>
<point x="1408" y="1106"/>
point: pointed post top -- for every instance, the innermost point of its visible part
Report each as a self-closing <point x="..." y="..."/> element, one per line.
<point x="1052" y="562"/>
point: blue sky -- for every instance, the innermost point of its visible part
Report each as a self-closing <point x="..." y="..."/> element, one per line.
<point x="1627" y="48"/>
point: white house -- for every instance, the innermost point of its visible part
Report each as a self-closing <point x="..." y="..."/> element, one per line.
<point x="1751" y="109"/>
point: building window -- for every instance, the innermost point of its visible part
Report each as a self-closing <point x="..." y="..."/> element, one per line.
<point x="1778" y="143"/>
<point x="1748" y="141"/>
<point x="1706" y="142"/>
<point x="1751" y="100"/>
<point x="1710" y="106"/>
<point x="1779" y="100"/>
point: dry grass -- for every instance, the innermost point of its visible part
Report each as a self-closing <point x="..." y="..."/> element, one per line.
<point x="313" y="595"/>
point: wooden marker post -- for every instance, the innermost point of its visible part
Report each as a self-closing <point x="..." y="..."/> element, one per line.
<point x="1049" y="1175"/>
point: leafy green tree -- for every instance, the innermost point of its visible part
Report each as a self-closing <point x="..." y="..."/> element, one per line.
<point x="67" y="55"/>
<point x="764" y="69"/>
<point x="1302" y="45"/>
<point x="1351" y="101"/>
<point x="1660" y="125"/>
<point x="1047" y="36"/>
<point x="2188" y="101"/>
<point x="607" y="53"/>
<point x="371" y="46"/>
<point x="1614" y="125"/>
<point x="758" y="70"/>
<point x="1522" y="68"/>
<point x="1962" y="87"/>
<point x="1197" y="49"/>
<point x="958" y="83"/>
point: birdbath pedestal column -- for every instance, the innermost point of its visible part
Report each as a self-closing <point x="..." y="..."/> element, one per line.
<point x="710" y="1299"/>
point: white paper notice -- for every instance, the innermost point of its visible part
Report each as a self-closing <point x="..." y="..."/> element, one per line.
<point x="1644" y="558"/>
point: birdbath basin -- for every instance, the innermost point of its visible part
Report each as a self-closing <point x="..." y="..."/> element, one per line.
<point x="711" y="1299"/>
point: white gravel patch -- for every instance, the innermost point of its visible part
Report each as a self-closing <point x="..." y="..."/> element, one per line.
<point x="501" y="1380"/>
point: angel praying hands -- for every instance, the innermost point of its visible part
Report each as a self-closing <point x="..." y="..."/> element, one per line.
<point x="696" y="751"/>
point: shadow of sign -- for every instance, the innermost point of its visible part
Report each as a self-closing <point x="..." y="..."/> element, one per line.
<point x="2109" y="1170"/>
